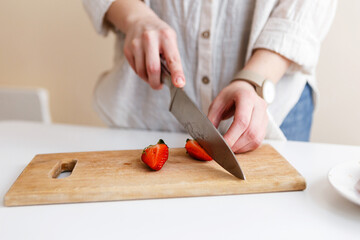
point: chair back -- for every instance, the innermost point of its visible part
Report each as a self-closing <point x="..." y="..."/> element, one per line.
<point x="24" y="104"/>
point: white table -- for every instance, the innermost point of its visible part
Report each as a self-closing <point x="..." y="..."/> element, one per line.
<point x="316" y="213"/>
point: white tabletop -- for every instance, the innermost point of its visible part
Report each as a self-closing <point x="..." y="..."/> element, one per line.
<point x="316" y="213"/>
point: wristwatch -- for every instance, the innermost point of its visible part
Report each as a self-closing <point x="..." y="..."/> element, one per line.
<point x="265" y="88"/>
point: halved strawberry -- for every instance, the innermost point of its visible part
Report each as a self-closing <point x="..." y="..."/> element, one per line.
<point x="194" y="149"/>
<point x="155" y="156"/>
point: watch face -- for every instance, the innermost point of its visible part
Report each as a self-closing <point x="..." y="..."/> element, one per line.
<point x="268" y="91"/>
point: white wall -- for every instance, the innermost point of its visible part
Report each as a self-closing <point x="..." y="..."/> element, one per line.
<point x="338" y="117"/>
<point x="52" y="44"/>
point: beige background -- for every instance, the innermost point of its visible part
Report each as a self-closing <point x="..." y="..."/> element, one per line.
<point x="52" y="44"/>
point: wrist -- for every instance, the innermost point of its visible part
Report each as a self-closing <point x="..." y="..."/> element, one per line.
<point x="125" y="13"/>
<point x="263" y="87"/>
<point x="239" y="83"/>
<point x="132" y="19"/>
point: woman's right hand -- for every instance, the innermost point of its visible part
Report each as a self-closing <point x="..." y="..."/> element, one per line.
<point x="147" y="38"/>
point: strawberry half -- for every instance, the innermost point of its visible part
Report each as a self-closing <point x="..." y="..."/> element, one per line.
<point x="155" y="156"/>
<point x="194" y="149"/>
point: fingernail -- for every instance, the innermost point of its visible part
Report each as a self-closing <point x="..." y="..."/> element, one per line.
<point x="179" y="81"/>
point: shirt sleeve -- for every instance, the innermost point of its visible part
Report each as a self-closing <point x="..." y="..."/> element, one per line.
<point x="96" y="10"/>
<point x="296" y="28"/>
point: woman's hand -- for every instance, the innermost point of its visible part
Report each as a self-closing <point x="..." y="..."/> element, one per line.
<point x="240" y="100"/>
<point x="145" y="40"/>
<point x="248" y="128"/>
<point x="147" y="36"/>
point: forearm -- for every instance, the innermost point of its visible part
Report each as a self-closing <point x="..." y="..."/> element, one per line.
<point x="123" y="13"/>
<point x="268" y="64"/>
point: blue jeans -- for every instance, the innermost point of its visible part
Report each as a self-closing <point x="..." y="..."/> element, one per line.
<point x="297" y="124"/>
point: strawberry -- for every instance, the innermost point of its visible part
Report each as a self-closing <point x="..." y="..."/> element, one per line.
<point x="155" y="156"/>
<point x="194" y="149"/>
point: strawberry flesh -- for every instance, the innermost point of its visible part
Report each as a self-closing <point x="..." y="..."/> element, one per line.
<point x="194" y="149"/>
<point x="155" y="156"/>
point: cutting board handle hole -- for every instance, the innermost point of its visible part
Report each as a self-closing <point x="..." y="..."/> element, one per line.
<point x="63" y="169"/>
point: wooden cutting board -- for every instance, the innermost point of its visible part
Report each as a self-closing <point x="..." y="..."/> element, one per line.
<point x="120" y="175"/>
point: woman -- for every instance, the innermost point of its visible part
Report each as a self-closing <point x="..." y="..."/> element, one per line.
<point x="208" y="44"/>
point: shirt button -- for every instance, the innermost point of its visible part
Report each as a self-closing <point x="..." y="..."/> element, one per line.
<point x="206" y="34"/>
<point x="205" y="80"/>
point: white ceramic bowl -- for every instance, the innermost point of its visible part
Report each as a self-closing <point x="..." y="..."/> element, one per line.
<point x="344" y="177"/>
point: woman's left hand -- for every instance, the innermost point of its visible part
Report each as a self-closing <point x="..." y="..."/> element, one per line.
<point x="248" y="128"/>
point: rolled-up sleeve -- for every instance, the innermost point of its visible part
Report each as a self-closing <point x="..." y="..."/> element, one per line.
<point x="296" y="28"/>
<point x="96" y="10"/>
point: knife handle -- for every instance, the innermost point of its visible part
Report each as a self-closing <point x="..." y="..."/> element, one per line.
<point x="165" y="73"/>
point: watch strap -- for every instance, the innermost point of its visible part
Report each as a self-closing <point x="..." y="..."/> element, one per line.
<point x="250" y="76"/>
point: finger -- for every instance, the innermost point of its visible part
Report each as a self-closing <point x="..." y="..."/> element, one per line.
<point x="130" y="58"/>
<point x="243" y="110"/>
<point x="152" y="59"/>
<point x="247" y="148"/>
<point x="139" y="56"/>
<point x="224" y="112"/>
<point x="172" y="56"/>
<point x="228" y="112"/>
<point x="255" y="133"/>
<point x="251" y="145"/>
<point x="216" y="110"/>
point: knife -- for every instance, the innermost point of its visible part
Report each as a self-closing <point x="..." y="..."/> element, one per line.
<point x="199" y="126"/>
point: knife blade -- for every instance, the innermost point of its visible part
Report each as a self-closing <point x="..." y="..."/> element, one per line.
<point x="199" y="126"/>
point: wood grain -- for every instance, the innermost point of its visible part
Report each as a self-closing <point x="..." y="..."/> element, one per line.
<point x="120" y="175"/>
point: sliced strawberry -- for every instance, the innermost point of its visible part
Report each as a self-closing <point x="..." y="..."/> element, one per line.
<point x="194" y="149"/>
<point x="155" y="156"/>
